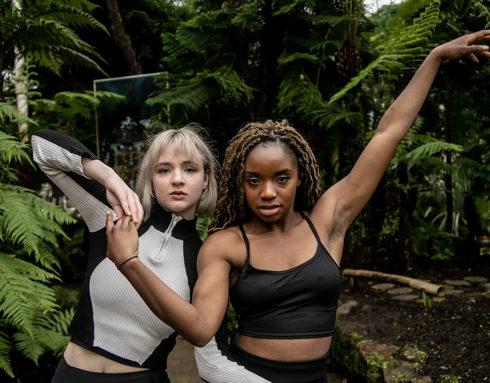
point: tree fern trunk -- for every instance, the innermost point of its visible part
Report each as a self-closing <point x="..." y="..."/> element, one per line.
<point x="122" y="39"/>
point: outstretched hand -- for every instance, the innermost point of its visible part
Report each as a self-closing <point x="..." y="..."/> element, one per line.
<point x="464" y="46"/>
<point x="122" y="239"/>
<point x="123" y="200"/>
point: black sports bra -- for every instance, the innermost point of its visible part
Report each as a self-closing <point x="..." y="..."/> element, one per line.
<point x="298" y="303"/>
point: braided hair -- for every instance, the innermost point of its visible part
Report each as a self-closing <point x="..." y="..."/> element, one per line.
<point x="231" y="207"/>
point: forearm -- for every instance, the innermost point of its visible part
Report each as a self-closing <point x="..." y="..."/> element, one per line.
<point x="96" y="170"/>
<point x="168" y="306"/>
<point x="401" y="114"/>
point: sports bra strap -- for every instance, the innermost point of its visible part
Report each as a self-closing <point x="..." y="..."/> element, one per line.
<point x="311" y="226"/>
<point x="245" y="239"/>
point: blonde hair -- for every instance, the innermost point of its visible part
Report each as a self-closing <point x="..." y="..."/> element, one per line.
<point x="189" y="139"/>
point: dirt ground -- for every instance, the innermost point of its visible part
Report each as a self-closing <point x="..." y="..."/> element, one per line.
<point x="455" y="334"/>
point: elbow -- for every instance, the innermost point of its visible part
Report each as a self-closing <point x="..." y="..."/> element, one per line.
<point x="199" y="340"/>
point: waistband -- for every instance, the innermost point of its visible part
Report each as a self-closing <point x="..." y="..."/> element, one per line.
<point x="308" y="371"/>
<point x="68" y="374"/>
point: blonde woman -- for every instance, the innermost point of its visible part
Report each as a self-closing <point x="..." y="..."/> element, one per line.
<point x="115" y="336"/>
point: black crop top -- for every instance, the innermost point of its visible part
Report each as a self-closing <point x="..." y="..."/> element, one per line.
<point x="298" y="303"/>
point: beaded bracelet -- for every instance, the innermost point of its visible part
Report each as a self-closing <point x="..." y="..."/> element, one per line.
<point x="122" y="264"/>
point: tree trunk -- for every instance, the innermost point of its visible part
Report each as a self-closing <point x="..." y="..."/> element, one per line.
<point x="121" y="38"/>
<point x="447" y="137"/>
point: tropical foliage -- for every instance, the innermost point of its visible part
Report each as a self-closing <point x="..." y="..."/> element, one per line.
<point x="29" y="226"/>
<point x="330" y="67"/>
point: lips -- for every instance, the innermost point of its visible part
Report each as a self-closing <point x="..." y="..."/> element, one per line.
<point x="178" y="195"/>
<point x="269" y="210"/>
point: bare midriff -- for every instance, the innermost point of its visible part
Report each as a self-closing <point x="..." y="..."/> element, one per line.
<point x="79" y="357"/>
<point x="286" y="350"/>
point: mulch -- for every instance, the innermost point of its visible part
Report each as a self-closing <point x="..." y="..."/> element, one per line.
<point x="455" y="334"/>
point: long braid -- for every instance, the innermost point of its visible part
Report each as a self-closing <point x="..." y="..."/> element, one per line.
<point x="231" y="207"/>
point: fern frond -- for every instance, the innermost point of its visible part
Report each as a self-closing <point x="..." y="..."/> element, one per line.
<point x="11" y="148"/>
<point x="28" y="346"/>
<point x="200" y="90"/>
<point x="297" y="91"/>
<point x="403" y="45"/>
<point x="431" y="148"/>
<point x="30" y="221"/>
<point x="5" y="349"/>
<point x="22" y="292"/>
<point x="326" y="116"/>
<point x="8" y="111"/>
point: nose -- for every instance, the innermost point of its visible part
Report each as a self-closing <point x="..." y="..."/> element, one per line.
<point x="268" y="191"/>
<point x="178" y="177"/>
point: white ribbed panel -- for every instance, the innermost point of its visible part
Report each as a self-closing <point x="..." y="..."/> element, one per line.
<point x="216" y="368"/>
<point x="123" y="323"/>
<point x="54" y="161"/>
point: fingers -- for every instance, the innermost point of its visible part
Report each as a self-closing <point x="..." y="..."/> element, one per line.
<point x="479" y="49"/>
<point x="119" y="211"/>
<point x="136" y="210"/>
<point x="480" y="35"/>
<point x="109" y="223"/>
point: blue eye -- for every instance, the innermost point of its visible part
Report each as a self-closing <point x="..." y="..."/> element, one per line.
<point x="163" y="170"/>
<point x="190" y="170"/>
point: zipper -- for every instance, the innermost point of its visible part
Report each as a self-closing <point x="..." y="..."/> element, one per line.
<point x="168" y="233"/>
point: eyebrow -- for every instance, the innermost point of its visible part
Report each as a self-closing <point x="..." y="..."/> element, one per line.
<point x="278" y="172"/>
<point x="183" y="163"/>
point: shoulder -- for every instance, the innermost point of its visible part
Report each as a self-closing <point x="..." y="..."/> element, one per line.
<point x="227" y="245"/>
<point x="223" y="239"/>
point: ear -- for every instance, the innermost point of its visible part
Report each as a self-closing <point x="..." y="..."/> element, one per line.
<point x="206" y="180"/>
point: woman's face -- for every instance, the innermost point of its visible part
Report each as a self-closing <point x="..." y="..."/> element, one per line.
<point x="178" y="181"/>
<point x="270" y="180"/>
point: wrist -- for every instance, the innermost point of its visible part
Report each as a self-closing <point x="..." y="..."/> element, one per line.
<point x="128" y="262"/>
<point x="437" y="56"/>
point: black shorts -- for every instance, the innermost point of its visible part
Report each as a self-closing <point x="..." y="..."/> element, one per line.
<point x="309" y="371"/>
<point x="68" y="374"/>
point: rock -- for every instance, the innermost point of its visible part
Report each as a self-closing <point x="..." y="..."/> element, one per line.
<point x="454" y="292"/>
<point x="409" y="297"/>
<point x="448" y="287"/>
<point x="366" y="308"/>
<point x="369" y="348"/>
<point x="347" y="307"/>
<point x="403" y="370"/>
<point x="456" y="282"/>
<point x="401" y="291"/>
<point x="383" y="286"/>
<point x="476" y="279"/>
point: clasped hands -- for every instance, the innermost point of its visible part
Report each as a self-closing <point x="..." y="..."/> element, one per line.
<point x="122" y="240"/>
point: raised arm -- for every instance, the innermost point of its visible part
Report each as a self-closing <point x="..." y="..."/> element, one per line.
<point x="89" y="184"/>
<point x="349" y="195"/>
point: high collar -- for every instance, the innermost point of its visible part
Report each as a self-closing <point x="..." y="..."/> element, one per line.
<point x="160" y="219"/>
